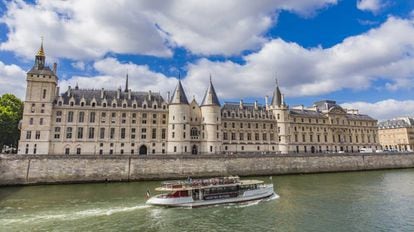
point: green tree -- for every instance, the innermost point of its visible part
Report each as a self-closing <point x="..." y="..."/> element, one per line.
<point x="11" y="111"/>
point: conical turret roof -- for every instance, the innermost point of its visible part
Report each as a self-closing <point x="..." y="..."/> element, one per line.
<point x="277" y="96"/>
<point x="210" y="97"/>
<point x="179" y="96"/>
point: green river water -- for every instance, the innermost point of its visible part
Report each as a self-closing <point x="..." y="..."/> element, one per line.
<point x="356" y="201"/>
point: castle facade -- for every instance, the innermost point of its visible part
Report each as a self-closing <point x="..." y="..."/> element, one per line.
<point x="122" y="121"/>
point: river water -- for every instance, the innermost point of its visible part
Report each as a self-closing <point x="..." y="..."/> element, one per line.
<point x="357" y="201"/>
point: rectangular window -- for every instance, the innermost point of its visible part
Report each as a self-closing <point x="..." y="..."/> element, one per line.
<point x="249" y="136"/>
<point x="256" y="136"/>
<point x="57" y="132"/>
<point x="31" y="121"/>
<point x="41" y="121"/>
<point x="154" y="132"/>
<point x="122" y="133"/>
<point x="28" y="135"/>
<point x="133" y="130"/>
<point x="264" y="136"/>
<point x="70" y="116"/>
<point x="163" y="134"/>
<point x="37" y="135"/>
<point x="241" y="136"/>
<point x="78" y="151"/>
<point x="102" y="133"/>
<point x="91" y="132"/>
<point x="92" y="117"/>
<point x="80" y="132"/>
<point x="69" y="132"/>
<point x="112" y="134"/>
<point x="233" y="136"/>
<point x="81" y="116"/>
<point x="225" y="136"/>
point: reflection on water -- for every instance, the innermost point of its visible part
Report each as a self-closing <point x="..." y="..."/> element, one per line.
<point x="360" y="201"/>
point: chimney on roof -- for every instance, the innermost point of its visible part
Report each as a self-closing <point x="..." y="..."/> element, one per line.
<point x="241" y="104"/>
<point x="55" y="68"/>
<point x="129" y="94"/>
<point x="255" y="105"/>
<point x="149" y="95"/>
<point x="57" y="91"/>
<point x="102" y="93"/>
<point x="69" y="90"/>
<point x="266" y="101"/>
<point x="168" y="96"/>
<point x="118" y="93"/>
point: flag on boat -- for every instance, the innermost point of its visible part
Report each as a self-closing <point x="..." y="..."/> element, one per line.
<point x="148" y="194"/>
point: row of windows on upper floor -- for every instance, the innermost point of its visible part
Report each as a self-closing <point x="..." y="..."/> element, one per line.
<point x="104" y="116"/>
<point x="340" y="138"/>
<point x="325" y="129"/>
<point x="248" y="114"/>
<point x="123" y="105"/>
<point x="332" y="121"/>
<point x="241" y="136"/>
<point x="241" y="125"/>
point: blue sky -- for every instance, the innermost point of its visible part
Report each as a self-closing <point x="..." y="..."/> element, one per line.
<point x="357" y="52"/>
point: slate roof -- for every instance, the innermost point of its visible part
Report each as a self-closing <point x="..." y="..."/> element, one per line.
<point x="246" y="106"/>
<point x="110" y="95"/>
<point x="210" y="97"/>
<point x="308" y="113"/>
<point x="396" y="123"/>
<point x="45" y="71"/>
<point x="179" y="96"/>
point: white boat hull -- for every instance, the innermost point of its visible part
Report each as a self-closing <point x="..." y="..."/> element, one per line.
<point x="248" y="195"/>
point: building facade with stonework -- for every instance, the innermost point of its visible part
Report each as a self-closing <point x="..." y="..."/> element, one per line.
<point x="397" y="134"/>
<point x="122" y="121"/>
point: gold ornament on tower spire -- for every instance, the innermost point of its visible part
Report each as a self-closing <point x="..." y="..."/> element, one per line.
<point x="41" y="51"/>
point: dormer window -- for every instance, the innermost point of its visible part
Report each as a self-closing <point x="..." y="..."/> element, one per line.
<point x="144" y="106"/>
<point x="82" y="104"/>
<point x="104" y="105"/>
<point x="60" y="103"/>
<point x="134" y="106"/>
<point x="113" y="105"/>
<point x="124" y="105"/>
<point x="71" y="103"/>
<point x="93" y="104"/>
<point x="155" y="107"/>
<point x="163" y="107"/>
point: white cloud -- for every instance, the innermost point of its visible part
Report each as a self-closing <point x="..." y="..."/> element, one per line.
<point x="81" y="29"/>
<point x="12" y="80"/>
<point x="79" y="65"/>
<point x="371" y="5"/>
<point x="383" y="53"/>
<point x="385" y="109"/>
<point x="112" y="74"/>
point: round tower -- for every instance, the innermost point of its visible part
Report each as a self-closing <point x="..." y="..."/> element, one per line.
<point x="178" y="123"/>
<point x="210" y="122"/>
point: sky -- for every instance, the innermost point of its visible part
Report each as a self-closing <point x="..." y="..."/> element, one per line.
<point x="357" y="52"/>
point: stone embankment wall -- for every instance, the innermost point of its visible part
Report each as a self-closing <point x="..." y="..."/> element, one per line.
<point x="21" y="169"/>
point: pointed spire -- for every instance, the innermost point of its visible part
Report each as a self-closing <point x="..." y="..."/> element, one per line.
<point x="41" y="51"/>
<point x="179" y="96"/>
<point x="126" y="82"/>
<point x="210" y="97"/>
<point x="277" y="96"/>
<point x="77" y="86"/>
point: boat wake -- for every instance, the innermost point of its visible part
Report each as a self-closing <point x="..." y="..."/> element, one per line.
<point x="252" y="203"/>
<point x="97" y="212"/>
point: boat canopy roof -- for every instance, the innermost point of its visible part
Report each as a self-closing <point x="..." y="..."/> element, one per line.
<point x="190" y="184"/>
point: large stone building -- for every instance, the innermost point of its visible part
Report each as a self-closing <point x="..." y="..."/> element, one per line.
<point x="397" y="134"/>
<point x="99" y="121"/>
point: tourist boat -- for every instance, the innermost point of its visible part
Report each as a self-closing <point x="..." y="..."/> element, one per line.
<point x="211" y="191"/>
